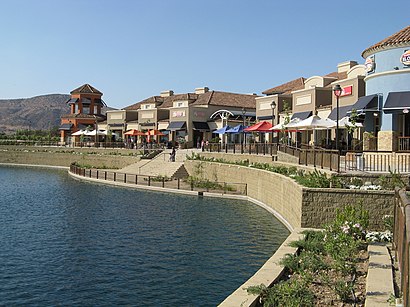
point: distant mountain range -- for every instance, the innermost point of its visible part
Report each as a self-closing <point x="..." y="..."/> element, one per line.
<point x="36" y="113"/>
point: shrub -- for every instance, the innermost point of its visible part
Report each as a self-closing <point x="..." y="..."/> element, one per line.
<point x="292" y="293"/>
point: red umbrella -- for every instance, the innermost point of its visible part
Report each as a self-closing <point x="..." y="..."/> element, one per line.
<point x="134" y="132"/>
<point x="259" y="127"/>
<point x="154" y="132"/>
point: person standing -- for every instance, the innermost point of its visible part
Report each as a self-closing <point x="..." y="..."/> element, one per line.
<point x="203" y="145"/>
<point x="172" y="155"/>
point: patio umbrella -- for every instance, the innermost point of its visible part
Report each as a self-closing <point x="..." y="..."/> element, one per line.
<point x="105" y="132"/>
<point x="79" y="132"/>
<point x="134" y="132"/>
<point x="287" y="128"/>
<point x="314" y="122"/>
<point x="236" y="129"/>
<point x="259" y="127"/>
<point x="345" y="121"/>
<point x="222" y="130"/>
<point x="95" y="132"/>
<point x="154" y="132"/>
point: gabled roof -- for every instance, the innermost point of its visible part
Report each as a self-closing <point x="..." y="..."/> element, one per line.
<point x="395" y="40"/>
<point x="86" y="89"/>
<point x="337" y="75"/>
<point x="227" y="99"/>
<point x="287" y="87"/>
<point x="152" y="99"/>
<point x="169" y="100"/>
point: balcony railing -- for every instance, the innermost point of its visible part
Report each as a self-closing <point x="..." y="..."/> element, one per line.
<point x="404" y="143"/>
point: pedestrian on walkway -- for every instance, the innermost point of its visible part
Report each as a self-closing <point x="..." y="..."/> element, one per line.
<point x="172" y="155"/>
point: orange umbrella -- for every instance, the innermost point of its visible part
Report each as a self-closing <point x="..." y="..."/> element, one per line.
<point x="154" y="132"/>
<point x="134" y="132"/>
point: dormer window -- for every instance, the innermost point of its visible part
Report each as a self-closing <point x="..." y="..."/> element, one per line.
<point x="180" y="104"/>
<point x="147" y="106"/>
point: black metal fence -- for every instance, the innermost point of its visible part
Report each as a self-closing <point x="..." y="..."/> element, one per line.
<point x="162" y="181"/>
<point x="249" y="148"/>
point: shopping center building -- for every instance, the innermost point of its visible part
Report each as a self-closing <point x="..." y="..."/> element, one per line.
<point x="377" y="91"/>
<point x="388" y="78"/>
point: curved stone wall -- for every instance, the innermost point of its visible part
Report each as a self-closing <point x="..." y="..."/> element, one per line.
<point x="276" y="191"/>
<point x="299" y="206"/>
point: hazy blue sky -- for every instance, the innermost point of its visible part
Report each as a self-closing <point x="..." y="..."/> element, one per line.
<point x="133" y="49"/>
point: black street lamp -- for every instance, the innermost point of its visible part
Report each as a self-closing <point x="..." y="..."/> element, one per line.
<point x="273" y="107"/>
<point x="243" y="127"/>
<point x="337" y="90"/>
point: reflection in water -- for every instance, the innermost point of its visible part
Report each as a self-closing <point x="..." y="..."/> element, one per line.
<point x="75" y="243"/>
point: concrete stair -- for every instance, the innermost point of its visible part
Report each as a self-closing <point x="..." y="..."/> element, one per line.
<point x="160" y="165"/>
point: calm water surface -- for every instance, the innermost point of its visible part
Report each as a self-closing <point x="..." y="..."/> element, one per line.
<point x="66" y="242"/>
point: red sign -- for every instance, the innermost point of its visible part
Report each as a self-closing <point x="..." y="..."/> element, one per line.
<point x="405" y="58"/>
<point x="346" y="91"/>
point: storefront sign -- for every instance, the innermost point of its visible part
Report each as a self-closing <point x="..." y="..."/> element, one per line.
<point x="346" y="91"/>
<point x="405" y="58"/>
<point x="199" y="114"/>
<point x="370" y="64"/>
<point x="178" y="113"/>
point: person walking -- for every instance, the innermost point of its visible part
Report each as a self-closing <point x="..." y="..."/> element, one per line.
<point x="172" y="155"/>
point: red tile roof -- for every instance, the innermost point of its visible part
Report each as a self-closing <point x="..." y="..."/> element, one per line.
<point x="287" y="88"/>
<point x="395" y="40"/>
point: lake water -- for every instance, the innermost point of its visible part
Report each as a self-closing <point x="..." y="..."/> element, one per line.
<point x="67" y="242"/>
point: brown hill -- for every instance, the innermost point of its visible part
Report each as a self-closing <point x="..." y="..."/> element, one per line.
<point x="36" y="113"/>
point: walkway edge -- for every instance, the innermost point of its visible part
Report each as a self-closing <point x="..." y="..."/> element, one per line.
<point x="379" y="282"/>
<point x="268" y="274"/>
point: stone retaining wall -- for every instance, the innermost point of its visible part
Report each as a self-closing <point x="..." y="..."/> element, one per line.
<point x="280" y="193"/>
<point x="64" y="156"/>
<point x="299" y="206"/>
<point x="320" y="205"/>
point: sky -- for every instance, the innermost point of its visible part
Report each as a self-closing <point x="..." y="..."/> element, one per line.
<point x="134" y="49"/>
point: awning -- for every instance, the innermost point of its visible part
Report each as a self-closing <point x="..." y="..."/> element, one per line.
<point x="65" y="127"/>
<point x="366" y="103"/>
<point x="301" y="115"/>
<point x="163" y="125"/>
<point x="264" y="117"/>
<point x="173" y="126"/>
<point x="342" y="112"/>
<point x="203" y="126"/>
<point x="72" y="100"/>
<point x="85" y="101"/>
<point x="397" y="102"/>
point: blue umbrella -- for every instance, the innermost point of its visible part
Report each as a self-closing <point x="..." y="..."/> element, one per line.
<point x="236" y="129"/>
<point x="222" y="130"/>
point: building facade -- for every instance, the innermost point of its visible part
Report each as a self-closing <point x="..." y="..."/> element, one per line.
<point x="388" y="77"/>
<point x="85" y="110"/>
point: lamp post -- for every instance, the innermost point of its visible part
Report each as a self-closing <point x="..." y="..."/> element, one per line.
<point x="337" y="90"/>
<point x="273" y="107"/>
<point x="243" y="127"/>
<point x="96" y="131"/>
